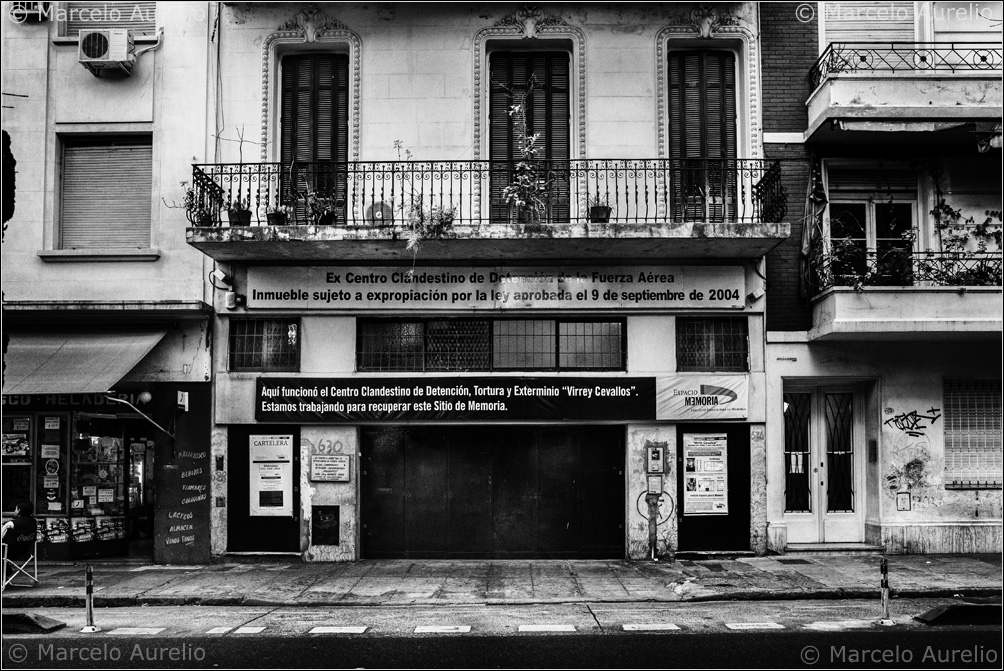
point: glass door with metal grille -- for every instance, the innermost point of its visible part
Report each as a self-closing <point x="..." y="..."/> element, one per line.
<point x="823" y="434"/>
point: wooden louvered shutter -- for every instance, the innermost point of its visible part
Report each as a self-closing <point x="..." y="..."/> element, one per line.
<point x="314" y="127"/>
<point x="140" y="18"/>
<point x="702" y="125"/>
<point x="548" y="113"/>
<point x="106" y="191"/>
<point x="315" y="108"/>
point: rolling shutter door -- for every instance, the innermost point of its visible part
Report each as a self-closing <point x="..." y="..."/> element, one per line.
<point x="869" y="22"/>
<point x="138" y="17"/>
<point x="973" y="452"/>
<point x="106" y="195"/>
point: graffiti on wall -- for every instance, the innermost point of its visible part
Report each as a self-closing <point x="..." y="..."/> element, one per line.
<point x="913" y="423"/>
<point x="909" y="469"/>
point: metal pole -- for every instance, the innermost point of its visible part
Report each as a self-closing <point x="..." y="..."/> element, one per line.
<point x="89" y="596"/>
<point x="886" y="620"/>
<point x="653" y="514"/>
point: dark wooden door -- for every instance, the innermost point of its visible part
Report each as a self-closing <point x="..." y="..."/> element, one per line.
<point x="247" y="533"/>
<point x="506" y="492"/>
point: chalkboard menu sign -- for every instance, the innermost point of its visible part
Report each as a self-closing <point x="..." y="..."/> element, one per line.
<point x="324" y="523"/>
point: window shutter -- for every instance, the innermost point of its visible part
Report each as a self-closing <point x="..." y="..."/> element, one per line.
<point x="548" y="113"/>
<point x="140" y="18"/>
<point x="106" y="191"/>
<point x="973" y="445"/>
<point x="871" y="183"/>
<point x="869" y="22"/>
<point x="702" y="105"/>
<point x="315" y="108"/>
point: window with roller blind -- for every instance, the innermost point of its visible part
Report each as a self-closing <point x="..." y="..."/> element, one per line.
<point x="314" y="123"/>
<point x="702" y="135"/>
<point x="548" y="114"/>
<point x="973" y="445"/>
<point x="106" y="186"/>
<point x="140" y="18"/>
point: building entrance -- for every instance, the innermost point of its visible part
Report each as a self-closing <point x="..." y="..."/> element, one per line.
<point x="493" y="492"/>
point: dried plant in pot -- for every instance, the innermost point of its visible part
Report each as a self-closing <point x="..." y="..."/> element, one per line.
<point x="599" y="209"/>
<point x="277" y="215"/>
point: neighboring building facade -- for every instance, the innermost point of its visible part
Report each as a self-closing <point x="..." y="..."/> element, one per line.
<point x="884" y="391"/>
<point x="102" y="296"/>
<point x="491" y="281"/>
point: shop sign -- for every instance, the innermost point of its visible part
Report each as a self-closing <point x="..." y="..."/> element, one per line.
<point x="271" y="476"/>
<point x="360" y="399"/>
<point x="705" y="474"/>
<point x="702" y="397"/>
<point x="496" y="288"/>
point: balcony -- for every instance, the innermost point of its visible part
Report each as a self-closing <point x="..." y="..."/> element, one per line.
<point x="593" y="208"/>
<point x="862" y="87"/>
<point x="905" y="295"/>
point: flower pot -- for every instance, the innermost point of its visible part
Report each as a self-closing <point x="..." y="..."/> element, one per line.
<point x="599" y="214"/>
<point x="239" y="217"/>
<point x="276" y="218"/>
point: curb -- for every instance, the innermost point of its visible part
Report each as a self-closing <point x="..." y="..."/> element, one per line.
<point x="29" y="601"/>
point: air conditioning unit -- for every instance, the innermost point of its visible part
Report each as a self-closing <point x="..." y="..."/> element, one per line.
<point x="379" y="214"/>
<point x="106" y="50"/>
<point x="29" y="12"/>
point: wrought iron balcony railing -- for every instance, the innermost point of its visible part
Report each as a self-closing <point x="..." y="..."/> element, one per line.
<point x="474" y="193"/>
<point x="852" y="266"/>
<point x="947" y="57"/>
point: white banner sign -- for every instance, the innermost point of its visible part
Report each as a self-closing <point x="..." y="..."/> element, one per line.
<point x="705" y="474"/>
<point x="271" y="476"/>
<point x="496" y="288"/>
<point x="702" y="397"/>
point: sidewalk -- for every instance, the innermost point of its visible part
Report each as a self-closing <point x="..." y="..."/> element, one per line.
<point x="512" y="582"/>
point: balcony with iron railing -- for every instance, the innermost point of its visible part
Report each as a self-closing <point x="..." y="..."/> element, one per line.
<point x="586" y="208"/>
<point x="859" y="82"/>
<point x="897" y="292"/>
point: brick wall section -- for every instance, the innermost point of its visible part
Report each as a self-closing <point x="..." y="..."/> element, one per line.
<point x="786" y="311"/>
<point x="790" y="48"/>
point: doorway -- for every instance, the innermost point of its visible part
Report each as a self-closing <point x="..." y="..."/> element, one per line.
<point x="251" y="527"/>
<point x="823" y="434"/>
<point x="493" y="492"/>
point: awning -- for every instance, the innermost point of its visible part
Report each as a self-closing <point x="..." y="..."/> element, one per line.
<point x="79" y="363"/>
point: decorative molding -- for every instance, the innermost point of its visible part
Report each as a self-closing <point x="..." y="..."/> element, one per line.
<point x="531" y="22"/>
<point x="310" y="26"/>
<point x="705" y="20"/>
<point x="721" y="27"/>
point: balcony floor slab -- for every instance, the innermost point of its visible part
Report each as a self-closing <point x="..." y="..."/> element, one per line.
<point x="490" y="243"/>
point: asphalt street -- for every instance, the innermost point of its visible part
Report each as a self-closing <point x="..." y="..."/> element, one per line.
<point x="786" y="634"/>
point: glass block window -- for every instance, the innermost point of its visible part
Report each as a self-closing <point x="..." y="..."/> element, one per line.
<point x="490" y="344"/>
<point x="264" y="344"/>
<point x="712" y="344"/>
<point x="973" y="434"/>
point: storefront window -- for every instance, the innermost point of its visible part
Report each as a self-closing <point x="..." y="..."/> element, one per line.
<point x="17" y="456"/>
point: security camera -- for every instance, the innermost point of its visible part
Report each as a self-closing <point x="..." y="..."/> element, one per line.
<point x="221" y="277"/>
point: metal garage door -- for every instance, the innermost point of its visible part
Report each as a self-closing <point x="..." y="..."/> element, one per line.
<point x="499" y="492"/>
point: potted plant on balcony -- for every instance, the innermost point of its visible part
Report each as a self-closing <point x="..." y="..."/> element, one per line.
<point x="239" y="212"/>
<point x="277" y="215"/>
<point x="599" y="209"/>
<point x="528" y="191"/>
<point x="320" y="208"/>
<point x="197" y="214"/>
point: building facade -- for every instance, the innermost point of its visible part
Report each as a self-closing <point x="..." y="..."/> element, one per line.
<point x="500" y="281"/>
